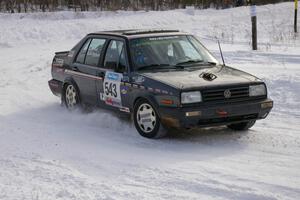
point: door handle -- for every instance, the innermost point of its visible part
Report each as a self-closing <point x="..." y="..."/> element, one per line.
<point x="101" y="74"/>
<point x="75" y="69"/>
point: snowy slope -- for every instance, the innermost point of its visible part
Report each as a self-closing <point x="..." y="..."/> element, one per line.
<point x="47" y="152"/>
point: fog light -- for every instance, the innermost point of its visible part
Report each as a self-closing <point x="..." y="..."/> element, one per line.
<point x="193" y="114"/>
<point x="267" y="105"/>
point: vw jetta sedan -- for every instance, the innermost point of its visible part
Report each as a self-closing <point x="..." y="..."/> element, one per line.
<point x="162" y="78"/>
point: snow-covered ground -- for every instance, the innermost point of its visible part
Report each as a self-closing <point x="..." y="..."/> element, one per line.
<point x="49" y="153"/>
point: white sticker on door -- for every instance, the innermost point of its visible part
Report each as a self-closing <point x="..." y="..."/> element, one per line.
<point x="111" y="87"/>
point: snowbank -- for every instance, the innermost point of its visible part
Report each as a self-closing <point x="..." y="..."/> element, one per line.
<point x="47" y="152"/>
<point x="230" y="25"/>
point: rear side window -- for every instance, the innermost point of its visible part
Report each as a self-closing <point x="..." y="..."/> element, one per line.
<point x="81" y="56"/>
<point x="90" y="52"/>
<point x="94" y="52"/>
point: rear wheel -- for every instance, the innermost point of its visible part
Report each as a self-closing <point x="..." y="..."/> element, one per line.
<point x="242" y="126"/>
<point x="71" y="97"/>
<point x="146" y="120"/>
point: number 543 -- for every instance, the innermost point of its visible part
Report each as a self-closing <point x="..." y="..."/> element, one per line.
<point x="110" y="89"/>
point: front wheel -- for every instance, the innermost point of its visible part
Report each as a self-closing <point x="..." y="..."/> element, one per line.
<point x="242" y="126"/>
<point x="147" y="121"/>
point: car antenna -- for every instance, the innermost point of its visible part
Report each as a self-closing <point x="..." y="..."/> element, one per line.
<point x="221" y="51"/>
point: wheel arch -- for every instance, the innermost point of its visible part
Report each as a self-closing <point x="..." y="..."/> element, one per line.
<point x="69" y="81"/>
<point x="159" y="130"/>
<point x="150" y="99"/>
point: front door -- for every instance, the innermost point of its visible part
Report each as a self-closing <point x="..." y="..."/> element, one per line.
<point x="116" y="66"/>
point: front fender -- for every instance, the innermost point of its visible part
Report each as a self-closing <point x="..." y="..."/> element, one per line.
<point x="151" y="100"/>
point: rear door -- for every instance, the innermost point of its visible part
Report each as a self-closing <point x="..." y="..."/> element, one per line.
<point x="85" y="68"/>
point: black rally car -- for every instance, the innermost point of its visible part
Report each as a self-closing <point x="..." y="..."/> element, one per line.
<point x="164" y="78"/>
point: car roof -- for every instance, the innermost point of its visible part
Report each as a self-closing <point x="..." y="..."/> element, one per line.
<point x="139" y="33"/>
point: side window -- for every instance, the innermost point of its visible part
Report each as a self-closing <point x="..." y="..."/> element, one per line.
<point x="81" y="56"/>
<point x="115" y="57"/>
<point x="94" y="52"/>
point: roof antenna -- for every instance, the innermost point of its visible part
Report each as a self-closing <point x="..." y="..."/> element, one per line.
<point x="221" y="52"/>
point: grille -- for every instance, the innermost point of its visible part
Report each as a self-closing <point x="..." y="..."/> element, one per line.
<point x="225" y="94"/>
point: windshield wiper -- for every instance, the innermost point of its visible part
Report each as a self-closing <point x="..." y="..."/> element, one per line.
<point x="160" y="66"/>
<point x="153" y="66"/>
<point x="211" y="63"/>
<point x="189" y="62"/>
<point x="180" y="65"/>
<point x="197" y="62"/>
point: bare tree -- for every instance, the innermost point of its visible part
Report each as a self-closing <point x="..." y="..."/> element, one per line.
<point x="87" y="5"/>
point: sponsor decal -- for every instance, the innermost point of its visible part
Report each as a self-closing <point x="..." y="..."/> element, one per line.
<point x="112" y="102"/>
<point x="138" y="79"/>
<point x="150" y="89"/>
<point x="58" y="61"/>
<point x="124" y="90"/>
<point x="135" y="86"/>
<point x="163" y="38"/>
<point x="125" y="109"/>
<point x="112" y="76"/>
<point x="112" y="89"/>
<point x="109" y="101"/>
<point x="164" y="92"/>
<point x="157" y="90"/>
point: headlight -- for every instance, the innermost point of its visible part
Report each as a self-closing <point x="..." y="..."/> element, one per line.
<point x="191" y="97"/>
<point x="257" y="90"/>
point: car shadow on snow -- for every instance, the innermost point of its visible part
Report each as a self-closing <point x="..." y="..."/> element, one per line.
<point x="106" y="124"/>
<point x="217" y="132"/>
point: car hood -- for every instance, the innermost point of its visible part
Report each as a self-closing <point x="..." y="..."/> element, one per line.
<point x="204" y="77"/>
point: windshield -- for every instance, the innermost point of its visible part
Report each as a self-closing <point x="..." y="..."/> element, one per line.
<point x="169" y="51"/>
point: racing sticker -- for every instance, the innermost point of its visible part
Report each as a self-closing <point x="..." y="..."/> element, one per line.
<point x="111" y="87"/>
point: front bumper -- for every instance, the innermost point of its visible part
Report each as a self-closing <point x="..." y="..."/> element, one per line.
<point x="215" y="114"/>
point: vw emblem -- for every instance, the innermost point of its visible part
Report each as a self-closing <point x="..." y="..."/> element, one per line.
<point x="227" y="94"/>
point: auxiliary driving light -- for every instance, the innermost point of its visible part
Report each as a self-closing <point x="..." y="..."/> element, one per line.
<point x="267" y="105"/>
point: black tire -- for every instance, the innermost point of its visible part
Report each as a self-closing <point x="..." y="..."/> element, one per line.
<point x="154" y="131"/>
<point x="71" y="97"/>
<point x="242" y="126"/>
